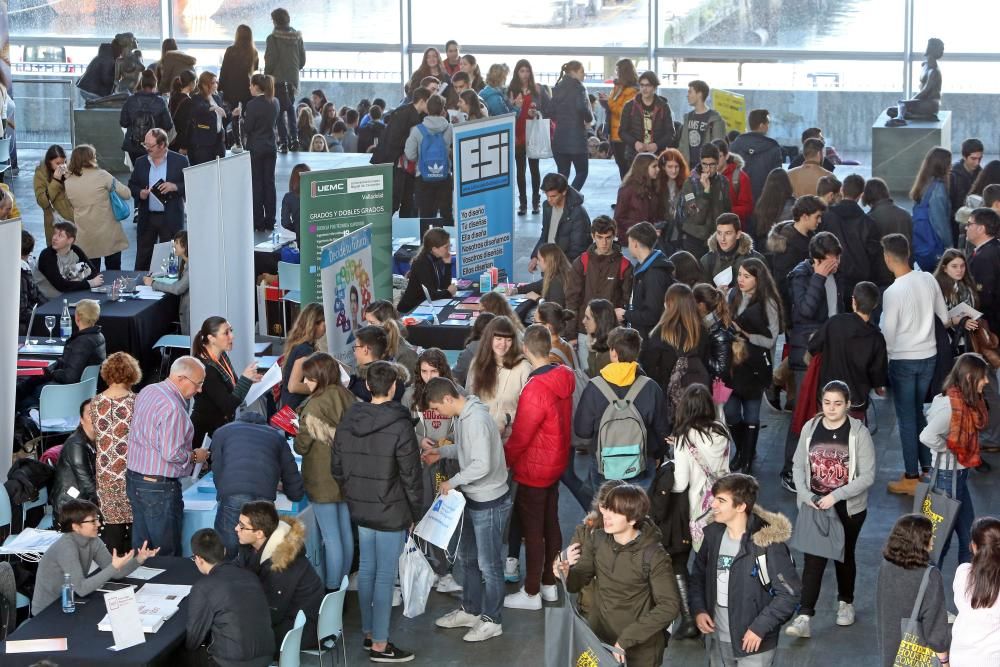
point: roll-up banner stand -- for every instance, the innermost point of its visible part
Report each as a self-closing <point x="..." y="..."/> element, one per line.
<point x="10" y="268"/>
<point x="346" y="272"/>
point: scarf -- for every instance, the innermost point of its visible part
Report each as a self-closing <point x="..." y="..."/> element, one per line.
<point x="620" y="373"/>
<point x="963" y="432"/>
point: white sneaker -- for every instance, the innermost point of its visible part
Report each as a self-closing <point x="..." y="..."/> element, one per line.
<point x="522" y="600"/>
<point x="352" y="582"/>
<point x="951" y="618"/>
<point x="845" y="613"/>
<point x="447" y="584"/>
<point x="483" y="631"/>
<point x="512" y="571"/>
<point x="799" y="627"/>
<point x="550" y="593"/>
<point x="458" y="618"/>
<point x="397" y="596"/>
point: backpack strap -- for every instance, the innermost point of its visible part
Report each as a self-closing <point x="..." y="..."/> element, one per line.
<point x="623" y="267"/>
<point x="585" y="260"/>
<point x="605" y="388"/>
<point x="423" y="130"/>
<point x="633" y="391"/>
<point x="647" y="563"/>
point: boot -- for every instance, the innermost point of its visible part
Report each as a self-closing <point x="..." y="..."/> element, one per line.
<point x="750" y="449"/>
<point x="738" y="431"/>
<point x="685" y="627"/>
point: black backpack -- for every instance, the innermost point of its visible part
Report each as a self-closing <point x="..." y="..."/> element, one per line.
<point x="142" y="123"/>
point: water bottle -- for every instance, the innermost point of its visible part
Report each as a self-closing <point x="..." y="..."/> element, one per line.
<point x="172" y="265"/>
<point x="485" y="282"/>
<point x="65" y="322"/>
<point x="68" y="603"/>
<point x="276" y="238"/>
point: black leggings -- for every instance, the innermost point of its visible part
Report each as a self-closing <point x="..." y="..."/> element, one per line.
<point x="618" y="150"/>
<point x="579" y="161"/>
<point x="814" y="566"/>
<point x="522" y="161"/>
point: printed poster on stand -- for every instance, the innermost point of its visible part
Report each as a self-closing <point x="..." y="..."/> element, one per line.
<point x="346" y="274"/>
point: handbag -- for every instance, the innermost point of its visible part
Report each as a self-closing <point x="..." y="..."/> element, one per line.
<point x="538" y="138"/>
<point x="415" y="579"/>
<point x="570" y="642"/>
<point x="819" y="533"/>
<point x="720" y="392"/>
<point x="119" y="207"/>
<point x="938" y="506"/>
<point x="913" y="650"/>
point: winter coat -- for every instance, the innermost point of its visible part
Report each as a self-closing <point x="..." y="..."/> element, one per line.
<point x="632" y="603"/>
<point x="760" y="155"/>
<point x="137" y="104"/>
<point x="861" y="466"/>
<point x="853" y="351"/>
<point x="433" y="125"/>
<point x="319" y="416"/>
<point x="249" y="457"/>
<point x="805" y="179"/>
<point x="716" y="261"/>
<point x="180" y="110"/>
<point x="984" y="265"/>
<point x="751" y="377"/>
<point x="606" y="277"/>
<point x="85" y="347"/>
<point x="787" y="247"/>
<point x="98" y="233"/>
<point x="50" y="193"/>
<point x="369" y="134"/>
<point x="284" y="56"/>
<point x="635" y="206"/>
<point x="658" y="359"/>
<point x="649" y="403"/>
<point x="75" y="470"/>
<point x="713" y="452"/>
<point x="617" y="99"/>
<point x="504" y="401"/>
<point x="716" y="130"/>
<point x="573" y="228"/>
<point x="376" y="461"/>
<point x="238" y="65"/>
<point x="740" y="189"/>
<point x="216" y="404"/>
<point x="170" y="67"/>
<point x="495" y="100"/>
<point x="960" y="182"/>
<point x="538" y="448"/>
<point x="650" y="282"/>
<point x="809" y="308"/>
<point x="99" y="77"/>
<point x="632" y="130"/>
<point x="720" y="354"/>
<point x="570" y="111"/>
<point x="859" y="238"/>
<point x="399" y="123"/>
<point x="259" y="117"/>
<point x="700" y="208"/>
<point x="889" y="219"/>
<point x="202" y="131"/>
<point x="428" y="272"/>
<point x="751" y="605"/>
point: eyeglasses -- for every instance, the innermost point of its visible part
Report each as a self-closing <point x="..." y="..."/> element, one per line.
<point x="197" y="384"/>
<point x="95" y="520"/>
<point x="241" y="527"/>
<point x="709" y="165"/>
<point x="150" y="148"/>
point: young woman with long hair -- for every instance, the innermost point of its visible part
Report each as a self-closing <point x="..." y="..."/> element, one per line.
<point x="430" y="271"/>
<point x="468" y="64"/>
<point x="933" y="203"/>
<point x="327" y="118"/>
<point x="833" y="468"/>
<point x="305" y="126"/>
<point x="382" y="313"/>
<point x="317" y="100"/>
<point x="468" y="353"/>
<point x="529" y="101"/>
<point x="570" y="111"/>
<point x="469" y="104"/>
<point x="599" y="319"/>
<point x="496" y="303"/>
<point x="208" y="121"/>
<point x="499" y="372"/>
<point x="625" y="88"/>
<point x="308" y="329"/>
<point x="756" y="308"/>
<point x="260" y="114"/>
<point x="290" y="202"/>
<point x="974" y="639"/>
<point x="990" y="175"/>
<point x="239" y="63"/>
<point x="556" y="319"/>
<point x="180" y="108"/>
<point x="714" y="310"/>
<point x="556" y="274"/>
<point x="687" y="268"/>
<point x="639" y="196"/>
<point x="430" y="65"/>
<point x="954" y="420"/>
<point x="905" y="563"/>
<point x="957" y="286"/>
<point x="773" y="206"/>
<point x="673" y="173"/>
<point x="50" y="188"/>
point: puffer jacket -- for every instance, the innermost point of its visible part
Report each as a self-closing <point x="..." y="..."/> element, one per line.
<point x="631" y="128"/>
<point x="376" y="461"/>
<point x="740" y="189"/>
<point x="570" y="111"/>
<point x="700" y="208"/>
<point x="605" y="277"/>
<point x="573" y="231"/>
<point x="250" y="457"/>
<point x="495" y="100"/>
<point x="752" y="606"/>
<point x="319" y="416"/>
<point x="538" y="448"/>
<point x="809" y="308"/>
<point x="720" y="354"/>
<point x="651" y="280"/>
<point x="715" y="261"/>
<point x="99" y="77"/>
<point x="861" y="466"/>
<point x="75" y="470"/>
<point x="615" y="104"/>
<point x="84" y="348"/>
<point x="787" y="247"/>
<point x="284" y="55"/>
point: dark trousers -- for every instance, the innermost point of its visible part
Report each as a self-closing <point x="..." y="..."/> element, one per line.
<point x="433" y="198"/>
<point x="814" y="566"/>
<point x="202" y="154"/>
<point x="284" y="92"/>
<point x="580" y="162"/>
<point x="150" y="232"/>
<point x="112" y="262"/>
<point x="522" y="162"/>
<point x="618" y="150"/>
<point x="117" y="536"/>
<point x="538" y="512"/>
<point x="264" y="196"/>
<point x="402" y="193"/>
<point x="157" y="512"/>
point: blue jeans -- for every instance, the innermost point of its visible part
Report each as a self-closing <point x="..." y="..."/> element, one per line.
<point x="910" y="379"/>
<point x="157" y="511"/>
<point x="480" y="552"/>
<point x="580" y="162"/>
<point x="966" y="514"/>
<point x="576" y="486"/>
<point x="227" y="515"/>
<point x="739" y="409"/>
<point x="380" y="550"/>
<point x="334" y="523"/>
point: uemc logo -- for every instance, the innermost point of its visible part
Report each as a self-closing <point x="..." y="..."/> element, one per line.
<point x="485" y="161"/>
<point x="326" y="188"/>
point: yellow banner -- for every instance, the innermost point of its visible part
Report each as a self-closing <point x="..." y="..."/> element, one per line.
<point x="733" y="109"/>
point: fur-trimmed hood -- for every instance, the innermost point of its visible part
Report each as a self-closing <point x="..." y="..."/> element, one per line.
<point x="778" y="237"/>
<point x="744" y="244"/>
<point x="769" y="528"/>
<point x="285" y="544"/>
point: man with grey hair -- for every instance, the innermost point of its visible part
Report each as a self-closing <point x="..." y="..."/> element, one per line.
<point x="160" y="453"/>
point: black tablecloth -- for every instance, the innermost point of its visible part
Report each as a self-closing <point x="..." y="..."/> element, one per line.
<point x="453" y="336"/>
<point x="87" y="646"/>
<point x="132" y="326"/>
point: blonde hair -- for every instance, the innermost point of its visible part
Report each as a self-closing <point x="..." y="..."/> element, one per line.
<point x="496" y="77"/>
<point x="312" y="142"/>
<point x="305" y="327"/>
<point x="88" y="311"/>
<point x="388" y="318"/>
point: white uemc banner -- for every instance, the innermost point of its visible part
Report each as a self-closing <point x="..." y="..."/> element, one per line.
<point x="10" y="266"/>
<point x="219" y="215"/>
<point x="346" y="276"/>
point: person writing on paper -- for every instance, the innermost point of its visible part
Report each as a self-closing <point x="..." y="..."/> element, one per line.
<point x="223" y="391"/>
<point x="180" y="287"/>
<point x="430" y="272"/>
<point x="63" y="266"/>
<point x="76" y="552"/>
<point x="556" y="274"/>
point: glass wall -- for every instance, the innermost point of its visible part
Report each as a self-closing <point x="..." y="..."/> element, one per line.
<point x="84" y="18"/>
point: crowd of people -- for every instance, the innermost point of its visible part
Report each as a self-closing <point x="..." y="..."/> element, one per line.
<point x="654" y="338"/>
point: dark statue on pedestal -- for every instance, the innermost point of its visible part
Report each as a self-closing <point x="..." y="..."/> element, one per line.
<point x="927" y="102"/>
<point x="127" y="68"/>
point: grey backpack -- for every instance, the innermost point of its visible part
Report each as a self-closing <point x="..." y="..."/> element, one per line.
<point x="621" y="435"/>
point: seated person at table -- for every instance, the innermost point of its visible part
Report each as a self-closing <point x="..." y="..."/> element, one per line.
<point x="179" y="287"/>
<point x="274" y="549"/>
<point x="227" y="609"/>
<point x="371" y="344"/>
<point x="74" y="554"/>
<point x="84" y="348"/>
<point x="30" y="296"/>
<point x="76" y="478"/>
<point x="290" y="202"/>
<point x="64" y="266"/>
<point x="430" y="271"/>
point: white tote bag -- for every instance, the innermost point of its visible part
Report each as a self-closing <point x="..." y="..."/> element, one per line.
<point x="442" y="519"/>
<point x="416" y="577"/>
<point x="538" y="138"/>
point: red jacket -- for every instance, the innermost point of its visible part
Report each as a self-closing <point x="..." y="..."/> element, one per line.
<point x="539" y="444"/>
<point x="742" y="200"/>
<point x="632" y="207"/>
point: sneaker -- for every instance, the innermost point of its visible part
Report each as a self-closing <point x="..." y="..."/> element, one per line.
<point x="951" y="618"/>
<point x="397" y="596"/>
<point x="799" y="627"/>
<point x="535" y="210"/>
<point x="788" y="482"/>
<point x="773" y="397"/>
<point x="511" y="571"/>
<point x="550" y="593"/>
<point x="522" y="600"/>
<point x="845" y="613"/>
<point x="458" y="618"/>
<point x="447" y="584"/>
<point x="367" y="643"/>
<point x="905" y="486"/>
<point x="522" y="210"/>
<point x="484" y="630"/>
<point x="390" y="654"/>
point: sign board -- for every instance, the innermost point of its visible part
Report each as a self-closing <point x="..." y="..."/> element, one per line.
<point x="346" y="274"/>
<point x="733" y="109"/>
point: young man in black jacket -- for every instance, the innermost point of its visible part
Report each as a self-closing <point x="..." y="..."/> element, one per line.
<point x="858" y="235"/>
<point x="64" y="266"/>
<point x="744" y="586"/>
<point x="728" y="247"/>
<point x="652" y="275"/>
<point x="226" y="610"/>
<point x="75" y="477"/>
<point x="273" y="548"/>
<point x="390" y="150"/>
<point x="563" y="208"/>
<point x="760" y="152"/>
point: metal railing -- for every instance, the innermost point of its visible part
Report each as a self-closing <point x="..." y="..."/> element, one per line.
<point x="44" y="110"/>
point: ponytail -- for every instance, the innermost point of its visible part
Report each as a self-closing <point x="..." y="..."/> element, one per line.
<point x="265" y="82"/>
<point x="571" y="66"/>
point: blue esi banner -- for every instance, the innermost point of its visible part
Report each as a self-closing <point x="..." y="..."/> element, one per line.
<point x="484" y="195"/>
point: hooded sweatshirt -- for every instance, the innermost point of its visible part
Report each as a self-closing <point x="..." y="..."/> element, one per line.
<point x="860" y="466"/>
<point x="538" y="448"/>
<point x="434" y="125"/>
<point x="853" y="351"/>
<point x="482" y="475"/>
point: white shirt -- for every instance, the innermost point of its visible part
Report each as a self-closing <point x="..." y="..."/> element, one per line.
<point x="975" y="636"/>
<point x="908" y="309"/>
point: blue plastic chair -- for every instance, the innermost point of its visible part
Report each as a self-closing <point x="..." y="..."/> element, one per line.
<point x="59" y="405"/>
<point x="91" y="372"/>
<point x="6" y="516"/>
<point x="41" y="501"/>
<point x="290" y="282"/>
<point x="291" y="645"/>
<point x="331" y="624"/>
<point x="167" y="343"/>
